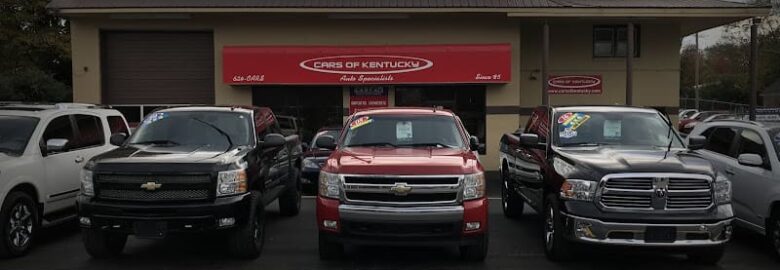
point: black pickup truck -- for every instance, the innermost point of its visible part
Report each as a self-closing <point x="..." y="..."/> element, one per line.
<point x="619" y="176"/>
<point x="191" y="169"/>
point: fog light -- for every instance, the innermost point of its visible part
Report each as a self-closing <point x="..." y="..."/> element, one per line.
<point x="85" y="221"/>
<point x="583" y="229"/>
<point x="471" y="226"/>
<point x="330" y="224"/>
<point x="727" y="232"/>
<point x="224" y="222"/>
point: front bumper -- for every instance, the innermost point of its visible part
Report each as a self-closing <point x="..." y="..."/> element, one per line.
<point x="403" y="226"/>
<point x="136" y="217"/>
<point x="589" y="230"/>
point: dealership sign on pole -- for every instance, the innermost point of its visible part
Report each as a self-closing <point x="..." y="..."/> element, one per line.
<point x="354" y="65"/>
<point x="575" y="84"/>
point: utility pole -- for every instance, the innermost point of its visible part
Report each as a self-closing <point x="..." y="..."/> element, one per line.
<point x="630" y="64"/>
<point x="545" y="63"/>
<point x="696" y="87"/>
<point x="754" y="68"/>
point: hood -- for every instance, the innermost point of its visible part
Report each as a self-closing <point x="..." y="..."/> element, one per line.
<point x="5" y="157"/>
<point x="168" y="154"/>
<point x="403" y="161"/>
<point x="594" y="163"/>
<point x="317" y="153"/>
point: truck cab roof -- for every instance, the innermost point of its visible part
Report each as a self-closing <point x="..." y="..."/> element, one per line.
<point x="407" y="110"/>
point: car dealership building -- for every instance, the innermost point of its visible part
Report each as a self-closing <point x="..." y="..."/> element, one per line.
<point x="320" y="60"/>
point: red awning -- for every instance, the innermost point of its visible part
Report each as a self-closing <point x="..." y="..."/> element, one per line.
<point x="353" y="65"/>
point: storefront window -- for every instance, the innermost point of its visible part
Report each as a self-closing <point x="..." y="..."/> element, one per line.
<point x="612" y="41"/>
<point x="467" y="101"/>
<point x="312" y="107"/>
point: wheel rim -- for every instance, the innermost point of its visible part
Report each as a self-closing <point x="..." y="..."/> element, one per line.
<point x="549" y="228"/>
<point x="504" y="196"/>
<point x="20" y="226"/>
<point x="776" y="236"/>
<point x="258" y="231"/>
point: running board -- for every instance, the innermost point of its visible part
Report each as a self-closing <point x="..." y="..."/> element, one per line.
<point x="59" y="217"/>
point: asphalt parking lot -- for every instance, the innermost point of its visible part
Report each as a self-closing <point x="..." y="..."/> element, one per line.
<point x="292" y="244"/>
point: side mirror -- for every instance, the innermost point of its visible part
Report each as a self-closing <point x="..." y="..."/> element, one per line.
<point x="696" y="142"/>
<point x="305" y="146"/>
<point x="752" y="160"/>
<point x="117" y="139"/>
<point x="273" y="140"/>
<point x="326" y="142"/>
<point x="56" y="145"/>
<point x="518" y="132"/>
<point x="529" y="139"/>
<point x="475" y="145"/>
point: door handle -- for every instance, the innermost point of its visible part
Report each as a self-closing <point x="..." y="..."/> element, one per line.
<point x="79" y="159"/>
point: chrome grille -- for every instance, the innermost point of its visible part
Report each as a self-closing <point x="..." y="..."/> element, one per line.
<point x="402" y="189"/>
<point x="656" y="191"/>
<point x="172" y="187"/>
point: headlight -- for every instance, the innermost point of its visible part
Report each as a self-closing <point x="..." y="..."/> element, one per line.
<point x="310" y="163"/>
<point x="231" y="182"/>
<point x="330" y="185"/>
<point x="87" y="186"/>
<point x="722" y="187"/>
<point x="473" y="186"/>
<point x="579" y="190"/>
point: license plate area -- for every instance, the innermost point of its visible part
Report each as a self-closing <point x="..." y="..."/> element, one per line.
<point x="150" y="229"/>
<point x="660" y="234"/>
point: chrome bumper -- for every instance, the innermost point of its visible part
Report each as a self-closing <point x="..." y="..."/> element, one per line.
<point x="423" y="214"/>
<point x="587" y="230"/>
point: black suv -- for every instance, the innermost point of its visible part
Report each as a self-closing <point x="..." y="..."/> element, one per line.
<point x="191" y="169"/>
<point x="620" y="176"/>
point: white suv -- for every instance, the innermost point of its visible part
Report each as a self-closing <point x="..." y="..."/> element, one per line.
<point x="42" y="151"/>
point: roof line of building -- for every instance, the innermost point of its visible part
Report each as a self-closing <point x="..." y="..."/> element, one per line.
<point x="512" y="12"/>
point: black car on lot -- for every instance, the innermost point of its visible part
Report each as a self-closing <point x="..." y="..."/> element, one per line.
<point x="617" y="176"/>
<point x="191" y="169"/>
<point x="314" y="157"/>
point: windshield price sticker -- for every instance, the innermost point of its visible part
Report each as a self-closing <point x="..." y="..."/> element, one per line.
<point x="403" y="131"/>
<point x="612" y="128"/>
<point x="154" y="118"/>
<point x="362" y="121"/>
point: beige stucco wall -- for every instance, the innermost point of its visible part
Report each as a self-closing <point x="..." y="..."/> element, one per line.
<point x="656" y="71"/>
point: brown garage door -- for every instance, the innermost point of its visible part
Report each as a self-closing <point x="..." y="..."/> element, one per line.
<point x="158" y="67"/>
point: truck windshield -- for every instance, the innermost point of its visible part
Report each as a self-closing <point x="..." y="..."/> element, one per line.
<point x="403" y="131"/>
<point x="774" y="133"/>
<point x="201" y="128"/>
<point x="15" y="132"/>
<point x="644" y="129"/>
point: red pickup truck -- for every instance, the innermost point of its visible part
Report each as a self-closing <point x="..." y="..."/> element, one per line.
<point x="402" y="176"/>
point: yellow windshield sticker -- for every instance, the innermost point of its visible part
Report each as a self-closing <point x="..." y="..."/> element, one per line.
<point x="362" y="121"/>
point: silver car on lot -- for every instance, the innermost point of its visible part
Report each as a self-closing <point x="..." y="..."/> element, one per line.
<point x="749" y="154"/>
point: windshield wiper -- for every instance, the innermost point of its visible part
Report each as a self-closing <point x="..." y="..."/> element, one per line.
<point x="157" y="142"/>
<point x="583" y="144"/>
<point x="434" y="144"/>
<point x="227" y="136"/>
<point x="386" y="144"/>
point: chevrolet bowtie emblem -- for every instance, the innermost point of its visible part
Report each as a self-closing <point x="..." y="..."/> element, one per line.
<point x="150" y="186"/>
<point x="401" y="189"/>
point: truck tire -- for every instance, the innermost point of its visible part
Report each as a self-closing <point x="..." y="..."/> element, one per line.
<point x="773" y="233"/>
<point x="328" y="249"/>
<point x="290" y="200"/>
<point x="707" y="256"/>
<point x="247" y="241"/>
<point x="18" y="224"/>
<point x="102" y="244"/>
<point x="556" y="247"/>
<point x="511" y="203"/>
<point x="475" y="253"/>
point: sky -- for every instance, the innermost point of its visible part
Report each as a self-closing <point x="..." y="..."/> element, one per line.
<point x="712" y="36"/>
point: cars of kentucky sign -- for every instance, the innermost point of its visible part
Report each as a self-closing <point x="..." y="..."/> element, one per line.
<point x="352" y="65"/>
<point x="575" y="84"/>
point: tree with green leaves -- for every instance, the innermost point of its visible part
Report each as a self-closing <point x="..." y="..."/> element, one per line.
<point x="35" y="61"/>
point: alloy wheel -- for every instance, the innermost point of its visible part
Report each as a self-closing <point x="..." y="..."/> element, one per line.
<point x="776" y="236"/>
<point x="505" y="195"/>
<point x="549" y="228"/>
<point x="20" y="226"/>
